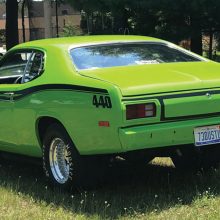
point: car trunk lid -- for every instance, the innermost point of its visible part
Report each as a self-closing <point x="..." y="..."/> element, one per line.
<point x="159" y="78"/>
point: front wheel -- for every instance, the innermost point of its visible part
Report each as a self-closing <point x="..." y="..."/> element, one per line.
<point x="62" y="163"/>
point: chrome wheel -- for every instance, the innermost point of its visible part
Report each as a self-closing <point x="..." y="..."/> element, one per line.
<point x="59" y="160"/>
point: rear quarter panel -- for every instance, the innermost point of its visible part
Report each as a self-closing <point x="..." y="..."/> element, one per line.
<point x="68" y="97"/>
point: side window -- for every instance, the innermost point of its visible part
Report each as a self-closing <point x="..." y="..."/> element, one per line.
<point x="21" y="67"/>
<point x="13" y="67"/>
<point x="35" y="67"/>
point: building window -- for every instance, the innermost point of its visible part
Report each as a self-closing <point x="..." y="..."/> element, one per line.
<point x="65" y="12"/>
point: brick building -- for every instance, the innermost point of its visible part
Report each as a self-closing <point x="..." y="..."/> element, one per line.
<point x="34" y="19"/>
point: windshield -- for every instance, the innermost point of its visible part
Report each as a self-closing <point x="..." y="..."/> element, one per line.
<point x="126" y="54"/>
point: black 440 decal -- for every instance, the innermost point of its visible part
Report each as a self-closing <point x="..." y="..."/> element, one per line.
<point x="103" y="101"/>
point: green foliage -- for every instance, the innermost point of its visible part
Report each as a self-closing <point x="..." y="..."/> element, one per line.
<point x="168" y="19"/>
<point x="70" y="30"/>
<point x="2" y="36"/>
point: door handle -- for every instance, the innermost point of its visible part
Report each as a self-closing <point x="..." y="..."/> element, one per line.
<point x="10" y="95"/>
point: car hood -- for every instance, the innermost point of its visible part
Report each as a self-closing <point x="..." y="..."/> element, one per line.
<point x="158" y="78"/>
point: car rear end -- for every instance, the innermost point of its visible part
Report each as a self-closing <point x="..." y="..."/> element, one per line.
<point x="171" y="120"/>
<point x="169" y="97"/>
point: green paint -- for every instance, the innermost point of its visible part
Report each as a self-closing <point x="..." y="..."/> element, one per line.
<point x="125" y="85"/>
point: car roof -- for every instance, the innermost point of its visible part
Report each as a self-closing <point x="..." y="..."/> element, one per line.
<point x="67" y="42"/>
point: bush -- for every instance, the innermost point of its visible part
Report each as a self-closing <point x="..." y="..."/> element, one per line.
<point x="70" y="30"/>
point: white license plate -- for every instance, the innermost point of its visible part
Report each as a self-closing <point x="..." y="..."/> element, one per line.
<point x="207" y="135"/>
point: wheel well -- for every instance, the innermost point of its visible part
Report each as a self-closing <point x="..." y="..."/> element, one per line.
<point x="42" y="124"/>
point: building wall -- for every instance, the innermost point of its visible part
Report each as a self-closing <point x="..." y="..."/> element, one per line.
<point x="66" y="16"/>
<point x="34" y="20"/>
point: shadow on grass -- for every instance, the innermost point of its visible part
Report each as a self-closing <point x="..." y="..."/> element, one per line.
<point x="127" y="190"/>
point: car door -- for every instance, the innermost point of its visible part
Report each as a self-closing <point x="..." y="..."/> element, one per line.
<point x="14" y="70"/>
<point x="27" y="104"/>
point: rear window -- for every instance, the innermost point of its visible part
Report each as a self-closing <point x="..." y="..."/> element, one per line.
<point x="112" y="55"/>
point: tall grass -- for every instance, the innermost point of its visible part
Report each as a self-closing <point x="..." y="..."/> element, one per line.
<point x="156" y="191"/>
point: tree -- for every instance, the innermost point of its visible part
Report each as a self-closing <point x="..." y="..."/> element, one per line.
<point x="11" y="23"/>
<point x="48" y="18"/>
<point x="23" y="21"/>
<point x="25" y="5"/>
<point x="168" y="19"/>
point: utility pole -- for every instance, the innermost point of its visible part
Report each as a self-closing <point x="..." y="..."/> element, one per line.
<point x="47" y="18"/>
<point x="57" y="21"/>
<point x="23" y="20"/>
<point x="11" y="23"/>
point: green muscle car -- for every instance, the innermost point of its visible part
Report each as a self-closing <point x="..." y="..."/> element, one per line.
<point x="77" y="102"/>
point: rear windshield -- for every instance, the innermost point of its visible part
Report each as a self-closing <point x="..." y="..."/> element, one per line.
<point x="127" y="54"/>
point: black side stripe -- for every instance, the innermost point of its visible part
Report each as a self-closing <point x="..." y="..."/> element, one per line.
<point x="182" y="95"/>
<point x="161" y="99"/>
<point x="150" y="94"/>
<point x="29" y="91"/>
<point x="4" y="98"/>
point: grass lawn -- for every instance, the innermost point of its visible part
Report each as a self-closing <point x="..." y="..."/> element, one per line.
<point x="156" y="191"/>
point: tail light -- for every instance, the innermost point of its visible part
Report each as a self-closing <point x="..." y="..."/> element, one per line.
<point x="136" y="111"/>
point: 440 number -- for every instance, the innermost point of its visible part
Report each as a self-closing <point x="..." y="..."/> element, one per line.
<point x="102" y="101"/>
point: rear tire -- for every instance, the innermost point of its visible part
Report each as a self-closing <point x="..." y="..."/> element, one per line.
<point x="62" y="164"/>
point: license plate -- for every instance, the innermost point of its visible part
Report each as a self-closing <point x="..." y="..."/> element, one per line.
<point x="207" y="135"/>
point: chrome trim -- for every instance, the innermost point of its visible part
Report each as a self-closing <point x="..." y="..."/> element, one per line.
<point x="59" y="160"/>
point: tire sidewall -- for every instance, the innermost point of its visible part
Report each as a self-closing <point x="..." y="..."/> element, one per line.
<point x="57" y="131"/>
